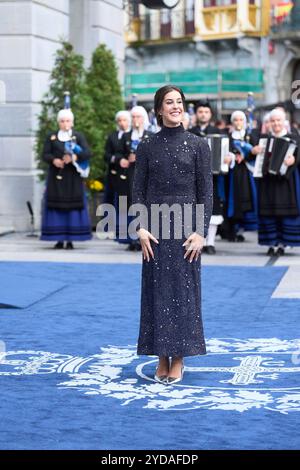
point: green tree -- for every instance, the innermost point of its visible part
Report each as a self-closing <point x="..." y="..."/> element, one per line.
<point x="68" y="74"/>
<point x="95" y="98"/>
<point x="105" y="91"/>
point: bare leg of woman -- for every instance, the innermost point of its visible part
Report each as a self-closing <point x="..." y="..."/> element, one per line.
<point x="176" y="366"/>
<point x="163" y="366"/>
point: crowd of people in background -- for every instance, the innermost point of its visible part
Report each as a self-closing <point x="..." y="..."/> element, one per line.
<point x="269" y="205"/>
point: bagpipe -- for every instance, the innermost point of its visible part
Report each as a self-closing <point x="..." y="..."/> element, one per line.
<point x="244" y="147"/>
<point x="73" y="149"/>
<point x="219" y="146"/>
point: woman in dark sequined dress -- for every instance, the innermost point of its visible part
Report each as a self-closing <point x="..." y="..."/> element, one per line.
<point x="172" y="167"/>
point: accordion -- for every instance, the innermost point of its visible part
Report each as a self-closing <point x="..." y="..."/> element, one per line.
<point x="272" y="160"/>
<point x="219" y="146"/>
<point x="260" y="157"/>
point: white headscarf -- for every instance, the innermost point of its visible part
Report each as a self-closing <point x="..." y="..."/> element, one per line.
<point x="125" y="114"/>
<point x="277" y="112"/>
<point x="65" y="136"/>
<point x="65" y="113"/>
<point x="141" y="110"/>
<point x="239" y="134"/>
<point x="280" y="113"/>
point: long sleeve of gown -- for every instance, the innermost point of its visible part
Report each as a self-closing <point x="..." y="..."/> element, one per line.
<point x="140" y="179"/>
<point x="204" y="185"/>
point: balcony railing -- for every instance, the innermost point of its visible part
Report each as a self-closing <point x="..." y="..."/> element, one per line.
<point x="207" y="20"/>
<point x="163" y="25"/>
<point x="220" y="19"/>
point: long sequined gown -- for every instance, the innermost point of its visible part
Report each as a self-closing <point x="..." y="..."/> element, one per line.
<point x="172" y="166"/>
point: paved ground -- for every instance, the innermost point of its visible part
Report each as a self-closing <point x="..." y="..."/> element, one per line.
<point x="20" y="247"/>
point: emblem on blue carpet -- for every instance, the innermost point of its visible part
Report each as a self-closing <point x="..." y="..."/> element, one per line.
<point x="235" y="375"/>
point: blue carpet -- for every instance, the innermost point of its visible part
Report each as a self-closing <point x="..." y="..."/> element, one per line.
<point x="22" y="291"/>
<point x="70" y="378"/>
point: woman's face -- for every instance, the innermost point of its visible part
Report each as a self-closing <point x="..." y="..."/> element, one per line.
<point x="65" y="124"/>
<point x="172" y="110"/>
<point x="277" y="123"/>
<point x="238" y="123"/>
<point x="137" y="120"/>
<point x="123" y="123"/>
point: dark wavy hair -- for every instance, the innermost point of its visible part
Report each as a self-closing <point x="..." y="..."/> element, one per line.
<point x="159" y="98"/>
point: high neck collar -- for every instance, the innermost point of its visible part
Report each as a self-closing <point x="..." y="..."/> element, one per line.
<point x="283" y="133"/>
<point x="170" y="131"/>
<point x="64" y="136"/>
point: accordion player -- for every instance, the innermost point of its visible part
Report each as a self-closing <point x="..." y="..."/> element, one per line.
<point x="219" y="146"/>
<point x="272" y="160"/>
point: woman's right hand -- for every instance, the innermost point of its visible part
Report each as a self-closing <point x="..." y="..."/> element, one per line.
<point x="124" y="163"/>
<point x="58" y="163"/>
<point x="145" y="238"/>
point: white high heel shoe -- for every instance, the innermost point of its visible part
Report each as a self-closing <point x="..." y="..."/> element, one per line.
<point x="174" y="380"/>
<point x="160" y="378"/>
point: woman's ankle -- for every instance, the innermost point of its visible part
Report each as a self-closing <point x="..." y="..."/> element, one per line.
<point x="177" y="360"/>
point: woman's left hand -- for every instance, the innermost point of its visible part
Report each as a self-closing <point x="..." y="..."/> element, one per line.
<point x="290" y="160"/>
<point x="194" y="245"/>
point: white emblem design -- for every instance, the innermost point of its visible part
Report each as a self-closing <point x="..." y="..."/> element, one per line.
<point x="235" y="375"/>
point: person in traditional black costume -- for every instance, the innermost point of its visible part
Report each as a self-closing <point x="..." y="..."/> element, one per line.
<point x="173" y="167"/>
<point x="125" y="165"/>
<point x="112" y="149"/>
<point x="279" y="196"/>
<point x="203" y="128"/>
<point x="241" y="198"/>
<point x="65" y="216"/>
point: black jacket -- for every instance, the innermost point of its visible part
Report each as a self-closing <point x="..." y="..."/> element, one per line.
<point x="208" y="130"/>
<point x="65" y="193"/>
<point x="125" y="175"/>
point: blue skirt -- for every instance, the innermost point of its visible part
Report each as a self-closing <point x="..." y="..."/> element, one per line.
<point x="63" y="225"/>
<point x="273" y="231"/>
<point x="250" y="218"/>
